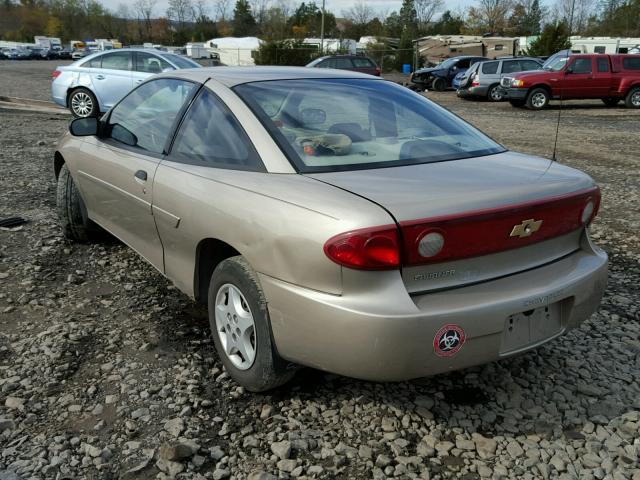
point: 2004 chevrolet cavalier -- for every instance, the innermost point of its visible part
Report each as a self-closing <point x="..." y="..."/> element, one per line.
<point x="335" y="220"/>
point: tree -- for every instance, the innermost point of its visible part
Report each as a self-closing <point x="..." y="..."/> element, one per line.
<point x="222" y="10"/>
<point x="576" y="13"/>
<point x="54" y="27"/>
<point x="359" y="16"/>
<point x="244" y="24"/>
<point x="144" y="11"/>
<point x="425" y="11"/>
<point x="449" y="24"/>
<point x="409" y="18"/>
<point x="554" y="37"/>
<point x="489" y="17"/>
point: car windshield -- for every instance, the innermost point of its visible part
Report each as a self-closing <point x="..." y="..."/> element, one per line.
<point x="347" y="124"/>
<point x="557" y="64"/>
<point x="447" y="63"/>
<point x="180" y="62"/>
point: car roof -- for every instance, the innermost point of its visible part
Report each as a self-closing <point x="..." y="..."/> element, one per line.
<point x="232" y="76"/>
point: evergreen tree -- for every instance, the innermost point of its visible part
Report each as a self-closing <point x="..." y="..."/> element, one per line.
<point x="409" y="18"/>
<point x="554" y="37"/>
<point x="244" y="24"/>
<point x="533" y="19"/>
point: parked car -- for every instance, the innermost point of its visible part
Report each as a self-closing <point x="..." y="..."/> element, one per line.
<point x="357" y="63"/>
<point x="96" y="83"/>
<point x="335" y="220"/>
<point x="3" y="55"/>
<point x="79" y="53"/>
<point x="611" y="78"/>
<point x="483" y="79"/>
<point x="439" y="78"/>
<point x="23" y="54"/>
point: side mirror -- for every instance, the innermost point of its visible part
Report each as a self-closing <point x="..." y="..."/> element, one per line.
<point x="313" y="116"/>
<point x="84" y="127"/>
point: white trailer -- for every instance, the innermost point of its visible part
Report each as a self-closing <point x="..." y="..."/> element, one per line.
<point x="609" y="45"/>
<point x="47" y="42"/>
<point x="197" y="50"/>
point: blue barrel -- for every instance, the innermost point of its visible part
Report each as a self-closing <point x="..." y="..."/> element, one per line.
<point x="406" y="68"/>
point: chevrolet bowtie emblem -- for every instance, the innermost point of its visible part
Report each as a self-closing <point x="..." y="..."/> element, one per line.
<point x="526" y="228"/>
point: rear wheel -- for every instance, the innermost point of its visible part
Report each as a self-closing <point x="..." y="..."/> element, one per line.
<point x="495" y="93"/>
<point x="439" y="84"/>
<point x="83" y="103"/>
<point x="241" y="327"/>
<point x="537" y="99"/>
<point x="632" y="99"/>
<point x="72" y="212"/>
<point x="610" y="102"/>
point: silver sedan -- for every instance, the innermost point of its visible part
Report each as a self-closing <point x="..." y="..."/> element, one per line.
<point x="95" y="83"/>
<point x="335" y="220"/>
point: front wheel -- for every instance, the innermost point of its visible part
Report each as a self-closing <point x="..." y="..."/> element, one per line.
<point x="537" y="99"/>
<point x="632" y="99"/>
<point x="72" y="212"/>
<point x="439" y="84"/>
<point x="611" y="102"/>
<point x="83" y="103"/>
<point x="241" y="327"/>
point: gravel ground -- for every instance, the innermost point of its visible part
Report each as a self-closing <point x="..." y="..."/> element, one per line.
<point x="107" y="371"/>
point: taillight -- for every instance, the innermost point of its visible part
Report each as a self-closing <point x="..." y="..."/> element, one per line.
<point x="366" y="249"/>
<point x="378" y="71"/>
<point x="475" y="81"/>
<point x="55" y="74"/>
<point x="482" y="232"/>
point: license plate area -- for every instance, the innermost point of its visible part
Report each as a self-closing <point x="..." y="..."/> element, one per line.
<point x="528" y="328"/>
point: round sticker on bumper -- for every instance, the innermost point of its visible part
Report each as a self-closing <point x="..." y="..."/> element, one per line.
<point x="448" y="340"/>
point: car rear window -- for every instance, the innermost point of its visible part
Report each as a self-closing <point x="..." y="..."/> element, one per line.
<point x="367" y="124"/>
<point x="631" y="63"/>
<point x="490" y="68"/>
<point x="180" y="62"/>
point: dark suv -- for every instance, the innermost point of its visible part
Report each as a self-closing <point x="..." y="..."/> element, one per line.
<point x="356" y="63"/>
<point x="440" y="77"/>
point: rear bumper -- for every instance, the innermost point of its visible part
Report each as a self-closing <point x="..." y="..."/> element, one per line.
<point x="517" y="93"/>
<point x="356" y="337"/>
<point x="59" y="93"/>
<point x="473" y="92"/>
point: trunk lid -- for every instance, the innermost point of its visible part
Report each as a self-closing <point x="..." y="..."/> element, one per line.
<point x="478" y="188"/>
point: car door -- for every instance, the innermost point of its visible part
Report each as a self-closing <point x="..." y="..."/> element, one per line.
<point x="147" y="64"/>
<point x="116" y="170"/>
<point x="602" y="78"/>
<point x="112" y="80"/>
<point x="577" y="81"/>
<point x="211" y="153"/>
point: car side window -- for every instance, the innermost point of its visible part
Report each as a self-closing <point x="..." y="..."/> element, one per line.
<point x="148" y="63"/>
<point x="93" y="63"/>
<point x="631" y="63"/>
<point x="211" y="136"/>
<point x="529" y="65"/>
<point x="362" y="63"/>
<point x="463" y="64"/>
<point x="581" y="65"/>
<point x="603" y="64"/>
<point x="145" y="117"/>
<point x="116" y="61"/>
<point x="343" y="63"/>
<point x="329" y="63"/>
<point x="489" y="68"/>
<point x="511" y="66"/>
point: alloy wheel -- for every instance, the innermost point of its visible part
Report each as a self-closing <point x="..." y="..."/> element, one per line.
<point x="81" y="104"/>
<point x="235" y="326"/>
<point x="635" y="99"/>
<point x="539" y="100"/>
<point x="495" y="94"/>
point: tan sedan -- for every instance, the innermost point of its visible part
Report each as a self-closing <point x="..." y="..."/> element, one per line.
<point x="335" y="220"/>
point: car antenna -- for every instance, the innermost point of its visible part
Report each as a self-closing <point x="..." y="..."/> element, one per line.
<point x="554" y="157"/>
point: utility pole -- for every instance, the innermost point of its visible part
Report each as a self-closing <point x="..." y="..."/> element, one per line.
<point x="322" y="30"/>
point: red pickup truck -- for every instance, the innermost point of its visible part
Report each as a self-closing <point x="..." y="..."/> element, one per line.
<point x="611" y="78"/>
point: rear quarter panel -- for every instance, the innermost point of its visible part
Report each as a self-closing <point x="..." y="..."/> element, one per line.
<point x="278" y="222"/>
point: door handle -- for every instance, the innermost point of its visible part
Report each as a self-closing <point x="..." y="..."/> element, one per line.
<point x="100" y="77"/>
<point x="140" y="80"/>
<point x="141" y="176"/>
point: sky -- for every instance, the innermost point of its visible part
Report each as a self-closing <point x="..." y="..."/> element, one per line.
<point x="336" y="6"/>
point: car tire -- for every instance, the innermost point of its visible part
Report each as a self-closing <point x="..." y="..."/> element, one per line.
<point x="517" y="103"/>
<point x="611" y="102"/>
<point x="83" y="103"/>
<point x="72" y="212"/>
<point x="438" y="84"/>
<point x="495" y="93"/>
<point x="241" y="328"/>
<point x="537" y="99"/>
<point x="632" y="100"/>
